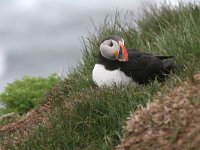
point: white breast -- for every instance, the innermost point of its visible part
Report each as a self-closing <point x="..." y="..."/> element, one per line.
<point x="103" y="77"/>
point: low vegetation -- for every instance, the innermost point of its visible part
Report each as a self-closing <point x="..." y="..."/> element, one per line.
<point x="172" y="120"/>
<point x="26" y="93"/>
<point x="84" y="116"/>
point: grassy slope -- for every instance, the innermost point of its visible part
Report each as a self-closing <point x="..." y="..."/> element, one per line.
<point x="86" y="117"/>
<point x="172" y="120"/>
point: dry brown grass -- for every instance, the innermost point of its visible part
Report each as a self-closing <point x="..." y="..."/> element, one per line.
<point x="22" y="129"/>
<point x="172" y="121"/>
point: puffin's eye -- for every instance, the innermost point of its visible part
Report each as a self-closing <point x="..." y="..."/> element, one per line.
<point x="110" y="44"/>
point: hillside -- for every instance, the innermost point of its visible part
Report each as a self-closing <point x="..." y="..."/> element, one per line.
<point x="79" y="115"/>
<point x="171" y="121"/>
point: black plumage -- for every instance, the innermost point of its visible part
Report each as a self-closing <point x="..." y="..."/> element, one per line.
<point x="141" y="67"/>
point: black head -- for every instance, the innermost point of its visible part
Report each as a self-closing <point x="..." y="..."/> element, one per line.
<point x="115" y="38"/>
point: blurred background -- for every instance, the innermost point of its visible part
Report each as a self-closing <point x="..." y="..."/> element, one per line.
<point x="42" y="37"/>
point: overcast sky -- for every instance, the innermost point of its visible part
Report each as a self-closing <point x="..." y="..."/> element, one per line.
<point x="40" y="37"/>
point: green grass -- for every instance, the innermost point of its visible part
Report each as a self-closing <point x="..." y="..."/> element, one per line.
<point x="86" y="117"/>
<point x="26" y="93"/>
<point x="94" y="120"/>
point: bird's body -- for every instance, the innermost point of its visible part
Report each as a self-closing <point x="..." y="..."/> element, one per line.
<point x="138" y="67"/>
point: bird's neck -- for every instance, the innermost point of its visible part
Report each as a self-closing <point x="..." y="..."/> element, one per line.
<point x="109" y="64"/>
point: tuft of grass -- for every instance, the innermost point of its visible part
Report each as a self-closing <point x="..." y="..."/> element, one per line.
<point x="93" y="119"/>
<point x="26" y="93"/>
<point x="86" y="117"/>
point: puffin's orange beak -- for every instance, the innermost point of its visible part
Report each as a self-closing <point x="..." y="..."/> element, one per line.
<point x="124" y="52"/>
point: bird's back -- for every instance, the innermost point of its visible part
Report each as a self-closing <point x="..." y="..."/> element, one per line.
<point x="144" y="67"/>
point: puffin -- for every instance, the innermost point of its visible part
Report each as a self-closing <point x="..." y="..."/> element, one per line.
<point x="117" y="65"/>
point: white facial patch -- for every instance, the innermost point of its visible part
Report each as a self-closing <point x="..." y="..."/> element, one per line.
<point x="108" y="48"/>
<point x="103" y="77"/>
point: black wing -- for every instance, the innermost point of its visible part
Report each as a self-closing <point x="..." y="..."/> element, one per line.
<point x="144" y="67"/>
